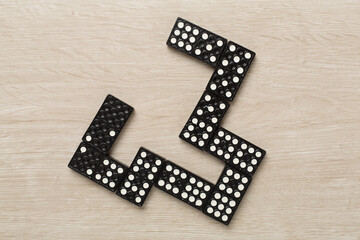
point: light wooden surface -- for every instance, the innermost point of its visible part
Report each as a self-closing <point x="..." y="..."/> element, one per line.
<point x="300" y="102"/>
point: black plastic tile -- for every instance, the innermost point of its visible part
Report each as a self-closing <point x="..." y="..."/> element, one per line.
<point x="109" y="173"/>
<point x="184" y="185"/>
<point x="85" y="160"/>
<point x="134" y="189"/>
<point x="107" y="124"/>
<point x="235" y="151"/>
<point x="233" y="182"/>
<point x="97" y="166"/>
<point x="231" y="70"/>
<point x="196" y="41"/>
<point x="197" y="132"/>
<point x="221" y="207"/>
<point x="211" y="108"/>
<point x="172" y="179"/>
<point x="147" y="164"/>
<point x="197" y="190"/>
<point x="204" y="120"/>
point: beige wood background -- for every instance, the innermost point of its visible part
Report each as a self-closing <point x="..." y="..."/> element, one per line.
<point x="300" y="102"/>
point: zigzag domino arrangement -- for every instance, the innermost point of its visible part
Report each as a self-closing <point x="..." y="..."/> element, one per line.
<point x="202" y="130"/>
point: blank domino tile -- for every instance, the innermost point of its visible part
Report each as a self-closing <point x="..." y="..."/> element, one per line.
<point x="204" y="120"/>
<point x="221" y="207"/>
<point x="184" y="185"/>
<point x="196" y="41"/>
<point x="147" y="164"/>
<point x="235" y="151"/>
<point x="97" y="166"/>
<point x="233" y="182"/>
<point x="230" y="71"/>
<point x="107" y="124"/>
<point x="134" y="189"/>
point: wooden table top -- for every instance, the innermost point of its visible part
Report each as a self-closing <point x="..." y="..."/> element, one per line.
<point x="300" y="102"/>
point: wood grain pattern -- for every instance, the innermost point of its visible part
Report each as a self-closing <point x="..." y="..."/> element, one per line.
<point x="300" y="102"/>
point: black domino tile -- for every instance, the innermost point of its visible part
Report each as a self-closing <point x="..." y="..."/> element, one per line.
<point x="197" y="132"/>
<point x="147" y="164"/>
<point x="221" y="207"/>
<point x="222" y="148"/>
<point x="196" y="192"/>
<point x="85" y="160"/>
<point x="204" y="120"/>
<point x="97" y="166"/>
<point x="196" y="41"/>
<point x="211" y="108"/>
<point x="233" y="182"/>
<point x="107" y="124"/>
<point x="109" y="173"/>
<point x="184" y="185"/>
<point x="230" y="71"/>
<point x="235" y="151"/>
<point x="134" y="188"/>
<point x="172" y="179"/>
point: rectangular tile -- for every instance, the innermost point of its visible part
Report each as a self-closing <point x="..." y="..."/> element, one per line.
<point x="172" y="179"/>
<point x="235" y="151"/>
<point x="184" y="185"/>
<point x="85" y="160"/>
<point x="196" y="191"/>
<point x="97" y="166"/>
<point x="231" y="70"/>
<point x="109" y="173"/>
<point x="233" y="182"/>
<point x="196" y="41"/>
<point x="204" y="120"/>
<point x="107" y="124"/>
<point x="134" y="188"/>
<point x="147" y="164"/>
<point x="220" y="207"/>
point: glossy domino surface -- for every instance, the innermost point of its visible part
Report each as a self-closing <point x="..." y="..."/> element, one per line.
<point x="231" y="70"/>
<point x="107" y="124"/>
<point x="235" y="151"/>
<point x="196" y="41"/>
